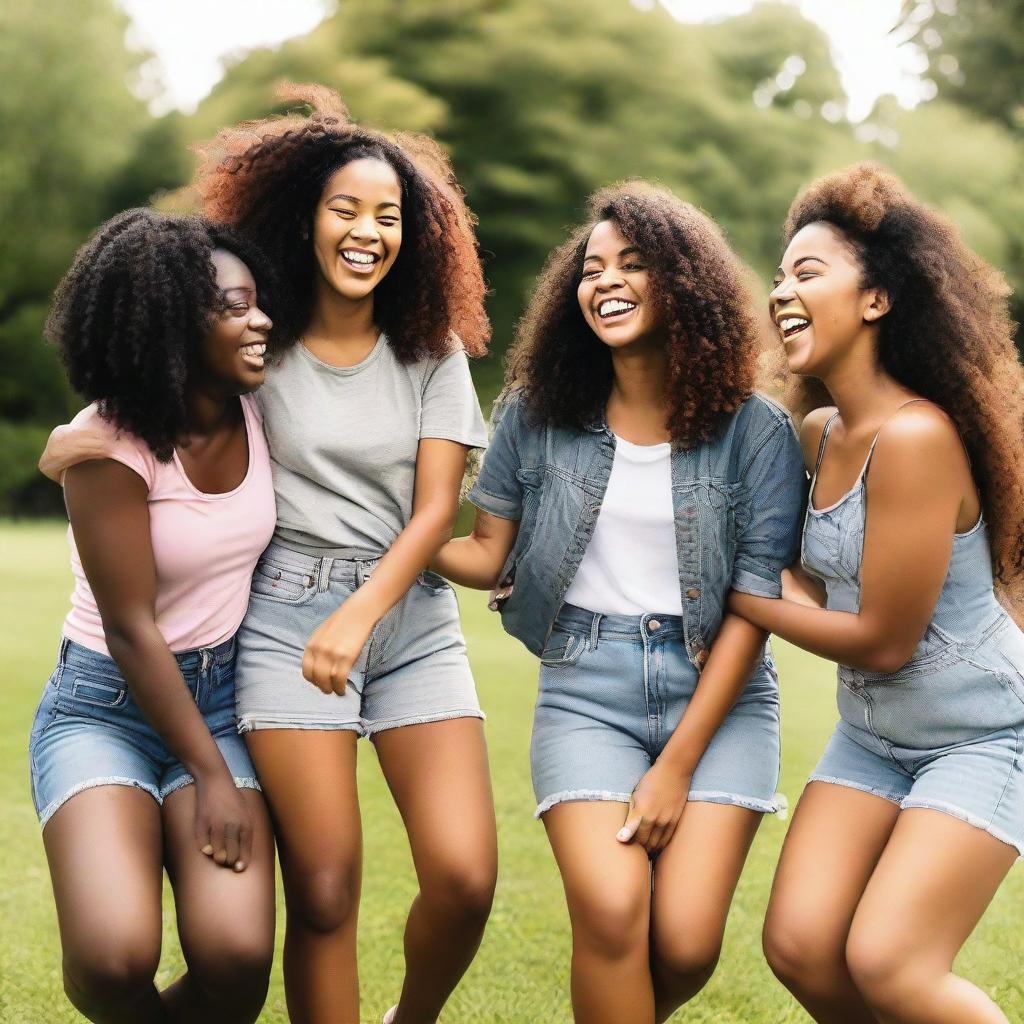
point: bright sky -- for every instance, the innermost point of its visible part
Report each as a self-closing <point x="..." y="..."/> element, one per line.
<point x="191" y="37"/>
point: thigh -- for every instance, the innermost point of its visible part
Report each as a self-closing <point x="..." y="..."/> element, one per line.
<point x="607" y="883"/>
<point x="439" y="776"/>
<point x="105" y="851"/>
<point x="831" y="849"/>
<point x="696" y="874"/>
<point x="930" y="887"/>
<point x="309" y="781"/>
<point x="220" y="912"/>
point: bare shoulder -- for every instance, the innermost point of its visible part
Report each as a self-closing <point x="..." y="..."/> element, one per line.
<point x="919" y="443"/>
<point x="811" y="429"/>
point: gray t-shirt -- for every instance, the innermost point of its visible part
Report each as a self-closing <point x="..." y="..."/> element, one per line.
<point x="343" y="441"/>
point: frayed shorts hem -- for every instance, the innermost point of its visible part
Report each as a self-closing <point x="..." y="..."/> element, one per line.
<point x="370" y="729"/>
<point x="124" y="780"/>
<point x="697" y="796"/>
<point x="833" y="780"/>
<point x="251" y="723"/>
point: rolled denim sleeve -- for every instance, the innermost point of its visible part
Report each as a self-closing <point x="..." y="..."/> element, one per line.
<point x="497" y="489"/>
<point x="769" y="539"/>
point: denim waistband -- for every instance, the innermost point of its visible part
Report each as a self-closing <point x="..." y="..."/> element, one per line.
<point x="620" y="627"/>
<point x="220" y="654"/>
<point x="347" y="565"/>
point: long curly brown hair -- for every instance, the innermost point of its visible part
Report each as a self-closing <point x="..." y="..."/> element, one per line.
<point x="266" y="177"/>
<point x="712" y="333"/>
<point x="948" y="335"/>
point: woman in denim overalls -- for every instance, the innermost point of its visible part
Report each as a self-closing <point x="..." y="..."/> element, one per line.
<point x="915" y="812"/>
<point x="634" y="479"/>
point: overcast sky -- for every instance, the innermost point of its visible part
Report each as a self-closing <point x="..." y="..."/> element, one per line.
<point x="191" y="37"/>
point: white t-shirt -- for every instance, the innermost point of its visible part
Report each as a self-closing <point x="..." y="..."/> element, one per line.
<point x="630" y="566"/>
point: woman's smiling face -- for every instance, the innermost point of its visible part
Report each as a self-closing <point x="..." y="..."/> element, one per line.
<point x="614" y="291"/>
<point x="819" y="303"/>
<point x="357" y="228"/>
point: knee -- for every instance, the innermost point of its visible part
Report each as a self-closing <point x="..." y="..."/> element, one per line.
<point x="322" y="899"/>
<point x="461" y="890"/>
<point x="884" y="974"/>
<point x="612" y="925"/>
<point x="687" y="955"/>
<point x="233" y="969"/>
<point x="106" y="975"/>
<point x="800" y="956"/>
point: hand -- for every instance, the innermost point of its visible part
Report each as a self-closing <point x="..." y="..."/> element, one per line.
<point x="67" y="446"/>
<point x="498" y="596"/>
<point x="223" y="825"/>
<point x="334" y="648"/>
<point x="655" y="807"/>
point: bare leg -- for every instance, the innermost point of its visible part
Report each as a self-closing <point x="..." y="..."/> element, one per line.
<point x="933" y="883"/>
<point x="831" y="849"/>
<point x="608" y="890"/>
<point x="695" y="877"/>
<point x="106" y="862"/>
<point x="225" y="919"/>
<point x="439" y="777"/>
<point x="309" y="780"/>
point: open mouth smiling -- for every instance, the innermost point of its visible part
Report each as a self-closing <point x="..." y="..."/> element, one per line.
<point x="610" y="309"/>
<point x="360" y="260"/>
<point x="791" y="326"/>
<point x="253" y="354"/>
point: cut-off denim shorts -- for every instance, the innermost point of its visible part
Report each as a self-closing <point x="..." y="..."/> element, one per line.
<point x="88" y="730"/>
<point x="413" y="669"/>
<point x="613" y="688"/>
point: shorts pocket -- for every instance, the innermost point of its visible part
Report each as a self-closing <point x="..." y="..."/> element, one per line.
<point x="82" y="693"/>
<point x="563" y="649"/>
<point x="280" y="583"/>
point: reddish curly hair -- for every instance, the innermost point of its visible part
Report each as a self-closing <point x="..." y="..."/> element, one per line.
<point x="713" y="334"/>
<point x="948" y="335"/>
<point x="266" y="177"/>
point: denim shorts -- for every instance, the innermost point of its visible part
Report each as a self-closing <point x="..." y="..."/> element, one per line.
<point x="980" y="781"/>
<point x="613" y="688"/>
<point x="413" y="669"/>
<point x="88" y="730"/>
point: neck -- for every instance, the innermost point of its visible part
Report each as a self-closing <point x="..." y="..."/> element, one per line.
<point x="338" y="319"/>
<point x="861" y="389"/>
<point x="639" y="376"/>
<point x="209" y="410"/>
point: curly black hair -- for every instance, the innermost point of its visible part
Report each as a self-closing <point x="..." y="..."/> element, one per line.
<point x="713" y="335"/>
<point x="130" y="314"/>
<point x="266" y="178"/>
<point x="947" y="336"/>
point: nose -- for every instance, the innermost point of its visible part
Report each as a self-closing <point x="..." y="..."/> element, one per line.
<point x="259" y="321"/>
<point x="782" y="292"/>
<point x="365" y="229"/>
<point x="610" y="278"/>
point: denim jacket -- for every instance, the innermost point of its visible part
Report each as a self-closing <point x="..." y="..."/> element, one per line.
<point x="738" y="500"/>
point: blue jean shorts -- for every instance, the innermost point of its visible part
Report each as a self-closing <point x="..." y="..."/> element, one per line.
<point x="88" y="730"/>
<point x="613" y="688"/>
<point x="413" y="669"/>
<point x="980" y="781"/>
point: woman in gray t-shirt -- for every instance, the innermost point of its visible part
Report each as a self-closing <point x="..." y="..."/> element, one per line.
<point x="370" y="413"/>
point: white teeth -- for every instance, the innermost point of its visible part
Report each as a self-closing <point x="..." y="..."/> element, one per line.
<point x="254" y="350"/>
<point x="612" y="306"/>
<point x="789" y="322"/>
<point x="358" y="257"/>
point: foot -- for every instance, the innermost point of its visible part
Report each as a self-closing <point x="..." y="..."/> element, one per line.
<point x="389" y="1017"/>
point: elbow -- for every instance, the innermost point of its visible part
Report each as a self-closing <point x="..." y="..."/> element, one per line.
<point x="887" y="658"/>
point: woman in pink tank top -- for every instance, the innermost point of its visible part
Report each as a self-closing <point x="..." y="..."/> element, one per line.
<point x="136" y="763"/>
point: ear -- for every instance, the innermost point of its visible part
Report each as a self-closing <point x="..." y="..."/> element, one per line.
<point x="878" y="304"/>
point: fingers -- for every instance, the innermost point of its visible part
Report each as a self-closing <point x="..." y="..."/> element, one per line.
<point x="244" y="847"/>
<point x="628" y="831"/>
<point x="328" y="674"/>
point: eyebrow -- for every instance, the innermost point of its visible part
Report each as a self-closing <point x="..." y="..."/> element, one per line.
<point x="628" y="251"/>
<point x="803" y="259"/>
<point x="356" y="202"/>
<point x="238" y="288"/>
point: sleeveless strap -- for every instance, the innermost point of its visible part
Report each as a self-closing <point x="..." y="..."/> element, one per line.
<point x="823" y="441"/>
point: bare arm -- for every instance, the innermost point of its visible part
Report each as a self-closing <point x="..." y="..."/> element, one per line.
<point x="475" y="561"/>
<point x="917" y="482"/>
<point x="337" y="642"/>
<point x="109" y="513"/>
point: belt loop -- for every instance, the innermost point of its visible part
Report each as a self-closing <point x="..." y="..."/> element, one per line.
<point x="360" y="575"/>
<point x="595" y="627"/>
<point x="323" y="579"/>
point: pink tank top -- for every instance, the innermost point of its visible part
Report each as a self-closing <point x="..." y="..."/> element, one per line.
<point x="205" y="546"/>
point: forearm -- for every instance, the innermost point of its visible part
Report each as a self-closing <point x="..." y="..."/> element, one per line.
<point x="847" y="638"/>
<point x="471" y="561"/>
<point x="155" y="682"/>
<point x="737" y="649"/>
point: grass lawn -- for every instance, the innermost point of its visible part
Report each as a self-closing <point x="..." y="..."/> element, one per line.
<point x="521" y="973"/>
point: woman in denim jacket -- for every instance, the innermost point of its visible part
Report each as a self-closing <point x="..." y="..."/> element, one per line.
<point x="633" y="480"/>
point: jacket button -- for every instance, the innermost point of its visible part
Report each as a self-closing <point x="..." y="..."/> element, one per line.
<point x="653" y="625"/>
<point x="693" y="593"/>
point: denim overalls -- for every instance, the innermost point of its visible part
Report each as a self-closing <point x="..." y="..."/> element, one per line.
<point x="946" y="731"/>
<point x="613" y="688"/>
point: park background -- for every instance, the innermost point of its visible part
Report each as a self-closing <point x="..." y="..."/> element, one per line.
<point x="734" y="105"/>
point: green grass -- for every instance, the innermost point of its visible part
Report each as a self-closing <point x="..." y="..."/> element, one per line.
<point x="521" y="973"/>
